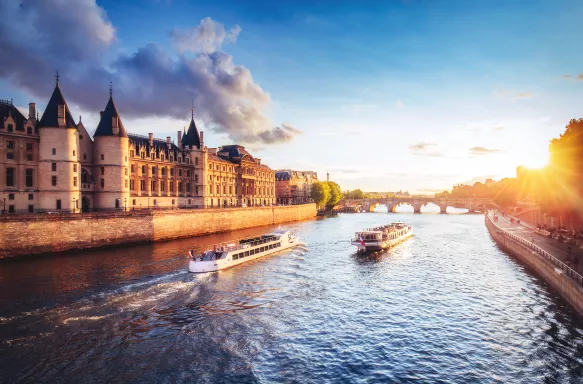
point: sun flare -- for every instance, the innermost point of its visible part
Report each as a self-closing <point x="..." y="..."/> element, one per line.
<point x="536" y="160"/>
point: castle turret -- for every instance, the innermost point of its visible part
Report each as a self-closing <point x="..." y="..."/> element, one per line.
<point x="191" y="142"/>
<point x="59" y="170"/>
<point x="110" y="159"/>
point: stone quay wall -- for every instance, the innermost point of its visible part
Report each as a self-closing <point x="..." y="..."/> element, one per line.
<point x="43" y="233"/>
<point x="557" y="277"/>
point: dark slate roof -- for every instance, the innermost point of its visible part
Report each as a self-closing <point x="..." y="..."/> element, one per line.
<point x="282" y="175"/>
<point x="214" y="157"/>
<point x="51" y="113"/>
<point x="235" y="152"/>
<point x="104" y="128"/>
<point x="160" y="146"/>
<point x="192" y="138"/>
<point x="8" y="109"/>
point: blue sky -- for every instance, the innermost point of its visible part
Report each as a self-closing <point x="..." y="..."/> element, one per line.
<point x="415" y="95"/>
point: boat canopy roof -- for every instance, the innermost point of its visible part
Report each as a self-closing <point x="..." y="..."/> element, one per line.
<point x="368" y="232"/>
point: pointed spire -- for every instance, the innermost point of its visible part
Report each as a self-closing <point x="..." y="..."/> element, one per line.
<point x="50" y="118"/>
<point x="110" y="90"/>
<point x="191" y="138"/>
<point x="106" y="126"/>
<point x="192" y="114"/>
<point x="80" y="119"/>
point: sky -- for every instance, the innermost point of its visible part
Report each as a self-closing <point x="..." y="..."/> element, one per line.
<point x="414" y="95"/>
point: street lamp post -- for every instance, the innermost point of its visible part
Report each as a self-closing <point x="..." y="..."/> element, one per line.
<point x="125" y="203"/>
<point x="4" y="209"/>
<point x="148" y="203"/>
<point x="74" y="201"/>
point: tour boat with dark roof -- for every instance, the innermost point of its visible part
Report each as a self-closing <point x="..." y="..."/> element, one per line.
<point x="380" y="238"/>
<point x="230" y="254"/>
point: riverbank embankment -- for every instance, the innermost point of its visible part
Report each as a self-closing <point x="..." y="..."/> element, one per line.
<point x="564" y="280"/>
<point x="43" y="233"/>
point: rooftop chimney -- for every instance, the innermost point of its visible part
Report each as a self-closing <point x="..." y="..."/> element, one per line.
<point x="168" y="142"/>
<point x="31" y="110"/>
<point x="201" y="139"/>
<point x="151" y="138"/>
<point x="179" y="137"/>
<point x="114" y="125"/>
<point x="100" y="114"/>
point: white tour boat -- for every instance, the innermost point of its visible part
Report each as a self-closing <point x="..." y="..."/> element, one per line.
<point x="230" y="254"/>
<point x="379" y="238"/>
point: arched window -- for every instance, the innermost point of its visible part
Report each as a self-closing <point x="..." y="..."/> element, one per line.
<point x="84" y="176"/>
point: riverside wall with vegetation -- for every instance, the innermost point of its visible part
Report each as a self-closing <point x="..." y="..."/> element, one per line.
<point x="564" y="280"/>
<point x="42" y="233"/>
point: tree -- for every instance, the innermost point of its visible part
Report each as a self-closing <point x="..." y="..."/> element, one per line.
<point x="335" y="194"/>
<point x="320" y="193"/>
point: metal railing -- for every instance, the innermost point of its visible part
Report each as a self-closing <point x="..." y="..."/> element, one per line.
<point x="553" y="260"/>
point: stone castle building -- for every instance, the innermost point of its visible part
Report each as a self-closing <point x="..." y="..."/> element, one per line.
<point x="294" y="187"/>
<point x="53" y="164"/>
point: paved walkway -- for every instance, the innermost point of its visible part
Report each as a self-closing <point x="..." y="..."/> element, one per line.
<point x="552" y="246"/>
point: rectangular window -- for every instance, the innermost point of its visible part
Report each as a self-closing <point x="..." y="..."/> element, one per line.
<point x="188" y="187"/>
<point x="133" y="168"/>
<point x="54" y="151"/>
<point x="132" y="153"/>
<point x="132" y="186"/>
<point x="142" y="185"/>
<point x="30" y="196"/>
<point x="74" y="152"/>
<point x="31" y="208"/>
<point x="54" y="167"/>
<point x="195" y="179"/>
<point x="125" y="170"/>
<point x="10" y="155"/>
<point x="153" y="185"/>
<point x="84" y="156"/>
<point x="171" y="171"/>
<point x="11" y="209"/>
<point x="29" y="156"/>
<point x="187" y="173"/>
<point x="11" y="196"/>
<point x="102" y="170"/>
<point x="102" y="157"/>
<point x="171" y="186"/>
<point x="29" y="146"/>
<point x="10" y="144"/>
<point x="196" y="161"/>
<point x="126" y="183"/>
<point x="180" y="173"/>
<point x="10" y="128"/>
<point x="75" y="181"/>
<point x="75" y="168"/>
<point x="102" y="183"/>
<point x="196" y="191"/>
<point x="163" y="171"/>
<point x="10" y="177"/>
<point x="58" y="204"/>
<point x="29" y="177"/>
<point x="153" y="171"/>
<point x="134" y="202"/>
<point x="54" y="181"/>
<point x="162" y="186"/>
<point x="218" y="189"/>
<point x="143" y="169"/>
<point x="180" y="187"/>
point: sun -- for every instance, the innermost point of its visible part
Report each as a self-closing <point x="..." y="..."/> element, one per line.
<point x="536" y="160"/>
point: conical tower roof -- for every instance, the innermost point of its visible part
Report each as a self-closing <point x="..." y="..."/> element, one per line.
<point x="192" y="138"/>
<point x="105" y="126"/>
<point x="51" y="114"/>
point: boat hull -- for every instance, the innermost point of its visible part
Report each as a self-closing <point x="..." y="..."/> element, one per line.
<point x="381" y="245"/>
<point x="229" y="262"/>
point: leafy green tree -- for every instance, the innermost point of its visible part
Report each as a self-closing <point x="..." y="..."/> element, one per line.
<point x="320" y="193"/>
<point x="335" y="194"/>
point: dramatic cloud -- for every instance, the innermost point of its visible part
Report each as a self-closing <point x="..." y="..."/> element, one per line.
<point x="425" y="149"/>
<point x="76" y="38"/>
<point x="480" y="151"/>
<point x="207" y="37"/>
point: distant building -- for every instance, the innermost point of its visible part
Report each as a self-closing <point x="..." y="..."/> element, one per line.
<point x="294" y="187"/>
<point x="53" y="164"/>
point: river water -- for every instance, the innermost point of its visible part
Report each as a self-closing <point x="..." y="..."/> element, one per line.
<point x="445" y="306"/>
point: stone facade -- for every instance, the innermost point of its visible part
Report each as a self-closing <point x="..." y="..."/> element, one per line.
<point x="39" y="233"/>
<point x="53" y="164"/>
<point x="294" y="187"/>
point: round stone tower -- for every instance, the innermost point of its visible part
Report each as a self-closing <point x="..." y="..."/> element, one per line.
<point x="59" y="171"/>
<point x="110" y="159"/>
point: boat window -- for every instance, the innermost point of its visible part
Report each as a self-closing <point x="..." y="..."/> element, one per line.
<point x="246" y="253"/>
<point x="262" y="249"/>
<point x="279" y="244"/>
<point x="235" y="257"/>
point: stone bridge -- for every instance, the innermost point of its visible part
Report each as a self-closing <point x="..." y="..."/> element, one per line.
<point x="472" y="204"/>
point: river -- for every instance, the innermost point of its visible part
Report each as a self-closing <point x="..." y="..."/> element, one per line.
<point x="445" y="306"/>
